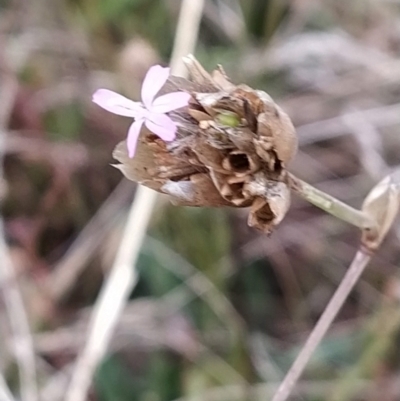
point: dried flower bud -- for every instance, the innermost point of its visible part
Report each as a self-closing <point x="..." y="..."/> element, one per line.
<point x="232" y="147"/>
<point x="382" y="206"/>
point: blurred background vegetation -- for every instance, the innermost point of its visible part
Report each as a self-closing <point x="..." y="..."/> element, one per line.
<point x="220" y="310"/>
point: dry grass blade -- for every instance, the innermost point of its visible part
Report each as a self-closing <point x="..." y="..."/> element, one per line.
<point x="21" y="334"/>
<point x="112" y="297"/>
<point x="5" y="393"/>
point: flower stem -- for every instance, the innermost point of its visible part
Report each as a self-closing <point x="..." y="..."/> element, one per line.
<point x="330" y="204"/>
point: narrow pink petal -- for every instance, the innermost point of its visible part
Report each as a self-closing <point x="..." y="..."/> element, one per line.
<point x="115" y="103"/>
<point x="153" y="82"/>
<point x="162" y="126"/>
<point x="133" y="136"/>
<point x="169" y="102"/>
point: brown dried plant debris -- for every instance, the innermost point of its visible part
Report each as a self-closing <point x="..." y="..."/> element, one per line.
<point x="232" y="148"/>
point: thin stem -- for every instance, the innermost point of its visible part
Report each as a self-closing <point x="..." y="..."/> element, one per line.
<point x="330" y="204"/>
<point x="123" y="276"/>
<point x="351" y="277"/>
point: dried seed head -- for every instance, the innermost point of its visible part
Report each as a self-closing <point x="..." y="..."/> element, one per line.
<point x="232" y="147"/>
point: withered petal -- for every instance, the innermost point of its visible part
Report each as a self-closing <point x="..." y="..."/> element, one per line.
<point x="276" y="127"/>
<point x="137" y="168"/>
<point x="221" y="79"/>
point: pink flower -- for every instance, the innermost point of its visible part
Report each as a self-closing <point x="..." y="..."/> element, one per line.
<point x="150" y="112"/>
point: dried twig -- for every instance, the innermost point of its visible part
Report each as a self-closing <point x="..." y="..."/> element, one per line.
<point x="123" y="276"/>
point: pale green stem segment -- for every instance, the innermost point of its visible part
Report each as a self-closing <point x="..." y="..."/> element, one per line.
<point x="330" y="204"/>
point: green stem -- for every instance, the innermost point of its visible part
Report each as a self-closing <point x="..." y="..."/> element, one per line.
<point x="330" y="204"/>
